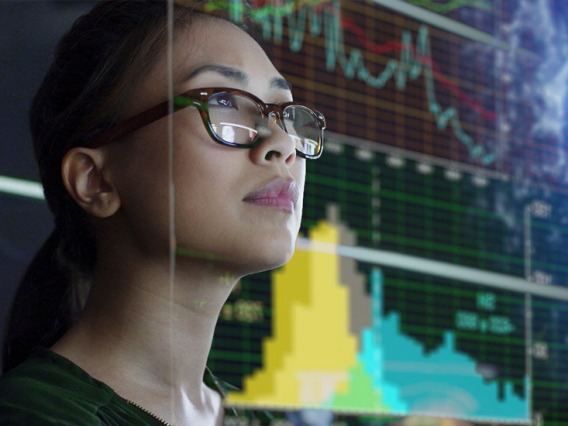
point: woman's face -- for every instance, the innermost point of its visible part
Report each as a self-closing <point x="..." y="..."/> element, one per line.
<point x="239" y="206"/>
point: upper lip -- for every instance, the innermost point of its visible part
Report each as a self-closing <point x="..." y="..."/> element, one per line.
<point x="281" y="188"/>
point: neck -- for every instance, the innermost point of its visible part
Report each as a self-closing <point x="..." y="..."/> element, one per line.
<point x="147" y="333"/>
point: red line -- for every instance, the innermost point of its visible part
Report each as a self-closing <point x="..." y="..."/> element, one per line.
<point x="392" y="46"/>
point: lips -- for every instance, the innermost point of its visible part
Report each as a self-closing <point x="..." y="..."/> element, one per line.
<point x="280" y="194"/>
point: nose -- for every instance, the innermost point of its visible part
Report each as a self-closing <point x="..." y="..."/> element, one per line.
<point x="276" y="145"/>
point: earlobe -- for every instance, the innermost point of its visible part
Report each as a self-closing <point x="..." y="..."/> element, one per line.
<point x="83" y="177"/>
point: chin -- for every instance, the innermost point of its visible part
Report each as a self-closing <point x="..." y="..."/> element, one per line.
<point x="272" y="258"/>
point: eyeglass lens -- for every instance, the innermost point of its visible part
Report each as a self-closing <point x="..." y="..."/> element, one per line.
<point x="236" y="118"/>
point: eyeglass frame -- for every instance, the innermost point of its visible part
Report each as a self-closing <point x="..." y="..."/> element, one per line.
<point x="199" y="99"/>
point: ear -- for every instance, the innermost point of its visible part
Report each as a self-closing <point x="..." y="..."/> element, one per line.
<point x="82" y="172"/>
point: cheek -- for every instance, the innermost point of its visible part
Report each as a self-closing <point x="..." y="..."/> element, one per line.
<point x="205" y="186"/>
<point x="140" y="173"/>
<point x="298" y="171"/>
<point x="299" y="174"/>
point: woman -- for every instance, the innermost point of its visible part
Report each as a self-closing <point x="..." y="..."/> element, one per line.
<point x="159" y="211"/>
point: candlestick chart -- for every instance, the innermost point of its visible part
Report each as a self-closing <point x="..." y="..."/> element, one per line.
<point x="429" y="278"/>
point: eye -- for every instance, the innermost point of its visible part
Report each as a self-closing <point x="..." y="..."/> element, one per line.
<point x="223" y="99"/>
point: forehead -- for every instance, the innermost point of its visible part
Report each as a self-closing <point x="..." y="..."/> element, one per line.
<point x="216" y="38"/>
<point x="215" y="41"/>
<point x="204" y="42"/>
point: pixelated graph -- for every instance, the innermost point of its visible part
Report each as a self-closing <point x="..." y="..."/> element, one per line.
<point x="379" y="370"/>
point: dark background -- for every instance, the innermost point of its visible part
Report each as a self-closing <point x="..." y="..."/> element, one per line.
<point x="29" y="31"/>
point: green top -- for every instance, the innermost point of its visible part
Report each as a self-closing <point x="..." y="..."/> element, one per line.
<point x="48" y="389"/>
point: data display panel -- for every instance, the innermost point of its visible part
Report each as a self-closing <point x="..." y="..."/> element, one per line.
<point x="430" y="277"/>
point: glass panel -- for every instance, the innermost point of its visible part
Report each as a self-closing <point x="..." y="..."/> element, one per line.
<point x="430" y="277"/>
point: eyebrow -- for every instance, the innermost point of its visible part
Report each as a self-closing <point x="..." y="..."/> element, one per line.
<point x="237" y="75"/>
<point x="280" y="83"/>
<point x="229" y="72"/>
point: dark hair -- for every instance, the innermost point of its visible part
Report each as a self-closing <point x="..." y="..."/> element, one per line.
<point x="97" y="64"/>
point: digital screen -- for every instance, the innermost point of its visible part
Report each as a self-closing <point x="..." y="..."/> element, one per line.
<point x="430" y="279"/>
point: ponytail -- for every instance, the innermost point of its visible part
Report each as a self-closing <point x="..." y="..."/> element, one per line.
<point x="39" y="315"/>
<point x="97" y="64"/>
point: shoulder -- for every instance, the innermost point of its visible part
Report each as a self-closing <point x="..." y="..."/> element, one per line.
<point x="48" y="389"/>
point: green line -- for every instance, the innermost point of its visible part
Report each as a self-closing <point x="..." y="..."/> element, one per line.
<point x="235" y="355"/>
<point x="451" y="5"/>
<point x="549" y="267"/>
<point x="345" y="184"/>
<point x="557" y="384"/>
<point x="423" y="201"/>
<point x="547" y="225"/>
<point x="488" y="337"/>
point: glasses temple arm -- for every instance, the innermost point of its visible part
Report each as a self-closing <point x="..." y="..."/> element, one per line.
<point x="130" y="125"/>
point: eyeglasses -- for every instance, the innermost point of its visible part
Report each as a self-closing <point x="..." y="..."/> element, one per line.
<point x="233" y="118"/>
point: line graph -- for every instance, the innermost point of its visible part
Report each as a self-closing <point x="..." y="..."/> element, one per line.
<point x="324" y="19"/>
<point x="394" y="46"/>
